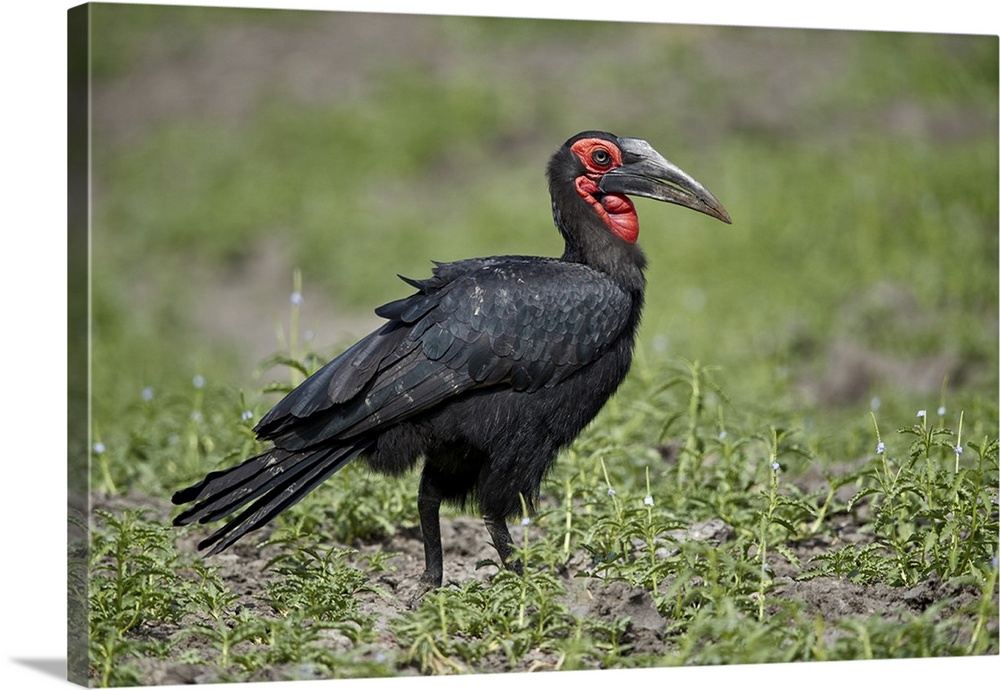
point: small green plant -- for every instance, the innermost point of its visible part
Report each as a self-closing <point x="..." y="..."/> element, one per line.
<point x="224" y="629"/>
<point x="780" y="510"/>
<point x="696" y="377"/>
<point x="136" y="580"/>
<point x="930" y="513"/>
<point x="319" y="583"/>
<point x="513" y="616"/>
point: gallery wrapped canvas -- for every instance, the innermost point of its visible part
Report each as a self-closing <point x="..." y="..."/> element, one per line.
<point x="590" y="429"/>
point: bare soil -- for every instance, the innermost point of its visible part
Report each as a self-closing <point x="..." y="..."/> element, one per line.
<point x="465" y="542"/>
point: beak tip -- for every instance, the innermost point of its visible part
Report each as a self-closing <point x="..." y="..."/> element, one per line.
<point x="717" y="210"/>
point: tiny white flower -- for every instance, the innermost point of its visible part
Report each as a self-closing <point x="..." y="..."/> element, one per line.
<point x="880" y="448"/>
<point x="611" y="492"/>
<point x="525" y="521"/>
<point x="959" y="450"/>
<point x="775" y="466"/>
<point x="648" y="501"/>
<point x="941" y="410"/>
<point x="296" y="298"/>
<point x="246" y="416"/>
<point x="147" y="393"/>
<point x="876" y="403"/>
<point x="198" y="381"/>
<point x="723" y="434"/>
<point x="98" y="447"/>
<point x="921" y="413"/>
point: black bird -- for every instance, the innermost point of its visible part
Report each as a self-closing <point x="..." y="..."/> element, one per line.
<point x="485" y="372"/>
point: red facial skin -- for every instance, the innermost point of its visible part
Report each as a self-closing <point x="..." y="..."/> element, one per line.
<point x="616" y="210"/>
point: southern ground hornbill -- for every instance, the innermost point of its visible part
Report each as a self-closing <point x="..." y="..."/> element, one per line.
<point x="485" y="372"/>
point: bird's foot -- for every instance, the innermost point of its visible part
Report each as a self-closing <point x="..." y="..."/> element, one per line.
<point x="429" y="581"/>
<point x="432" y="578"/>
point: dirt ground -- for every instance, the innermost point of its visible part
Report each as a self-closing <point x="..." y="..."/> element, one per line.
<point x="465" y="542"/>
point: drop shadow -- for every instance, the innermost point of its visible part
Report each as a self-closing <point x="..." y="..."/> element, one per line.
<point x="50" y="667"/>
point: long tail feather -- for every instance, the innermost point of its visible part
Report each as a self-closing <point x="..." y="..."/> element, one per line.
<point x="223" y="480"/>
<point x="277" y="479"/>
<point x="277" y="500"/>
<point x="223" y="492"/>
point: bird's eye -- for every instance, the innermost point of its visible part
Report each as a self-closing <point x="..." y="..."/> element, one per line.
<point x="600" y="158"/>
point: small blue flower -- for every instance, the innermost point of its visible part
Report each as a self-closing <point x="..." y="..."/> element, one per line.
<point x="525" y="521"/>
<point x="775" y="466"/>
<point x="98" y="447"/>
<point x="941" y="410"/>
<point x="959" y="450"/>
<point x="296" y="298"/>
<point x="880" y="448"/>
<point x="921" y="413"/>
<point x="723" y="434"/>
<point x="246" y="416"/>
<point x="648" y="501"/>
<point x="198" y="381"/>
<point x="611" y="492"/>
<point x="147" y="393"/>
<point x="876" y="403"/>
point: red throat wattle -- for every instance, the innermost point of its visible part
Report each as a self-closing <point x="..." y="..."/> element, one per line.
<point x="616" y="210"/>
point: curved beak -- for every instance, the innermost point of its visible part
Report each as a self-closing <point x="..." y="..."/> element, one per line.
<point x="644" y="172"/>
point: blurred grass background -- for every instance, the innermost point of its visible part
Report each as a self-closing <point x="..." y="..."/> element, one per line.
<point x="231" y="147"/>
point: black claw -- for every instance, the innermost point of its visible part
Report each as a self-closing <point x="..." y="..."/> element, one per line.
<point x="428" y="582"/>
<point x="434" y="579"/>
<point x="503" y="543"/>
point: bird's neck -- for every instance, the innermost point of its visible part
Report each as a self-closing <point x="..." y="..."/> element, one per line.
<point x="624" y="262"/>
<point x="590" y="241"/>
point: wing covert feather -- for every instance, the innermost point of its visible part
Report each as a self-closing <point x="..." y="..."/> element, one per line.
<point x="523" y="322"/>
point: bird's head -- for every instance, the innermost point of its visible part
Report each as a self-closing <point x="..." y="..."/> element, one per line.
<point x="602" y="169"/>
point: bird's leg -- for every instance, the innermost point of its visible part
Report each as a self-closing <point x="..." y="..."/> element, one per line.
<point x="502" y="542"/>
<point x="429" y="506"/>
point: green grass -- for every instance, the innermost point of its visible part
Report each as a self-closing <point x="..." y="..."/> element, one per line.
<point x="916" y="512"/>
<point x="865" y="212"/>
